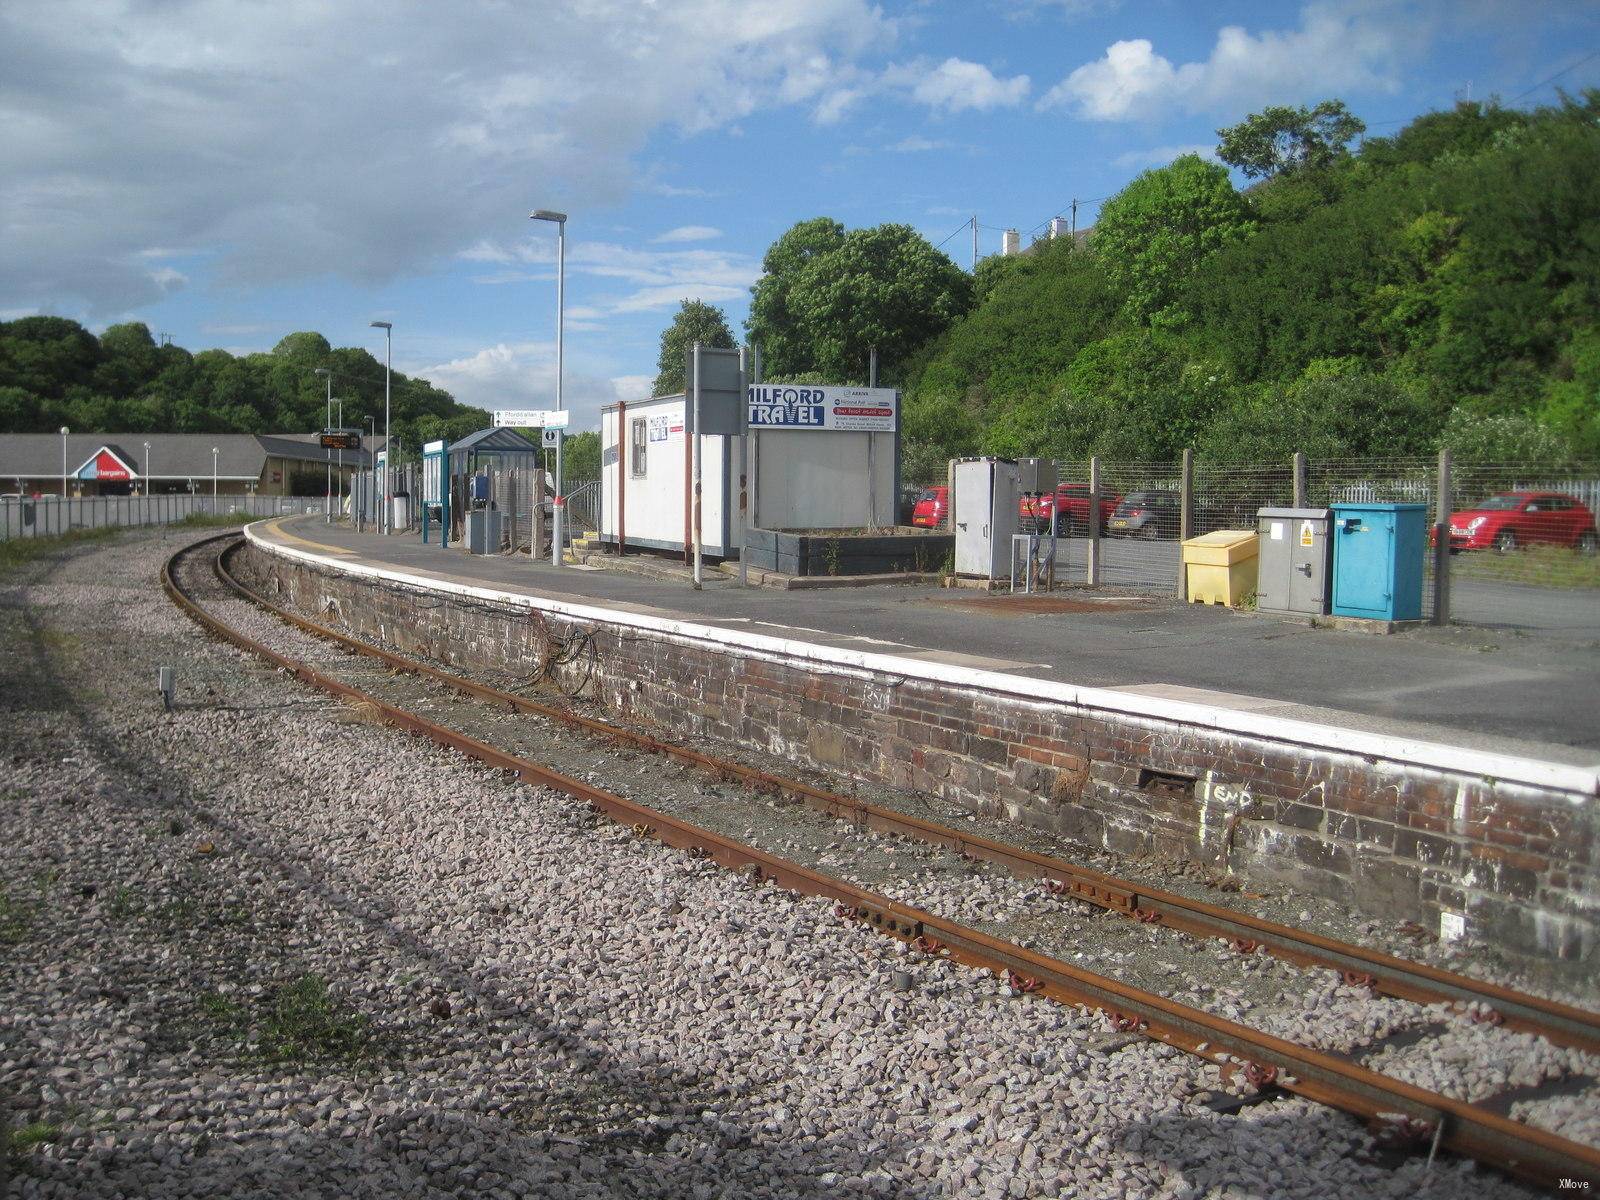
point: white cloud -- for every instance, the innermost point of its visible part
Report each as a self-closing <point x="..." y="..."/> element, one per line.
<point x="1337" y="47"/>
<point x="302" y="138"/>
<point x="689" y="233"/>
<point x="523" y="375"/>
<point x="168" y="279"/>
<point x="657" y="279"/>
<point x="917" y="144"/>
<point x="957" y="84"/>
<point x="1160" y="156"/>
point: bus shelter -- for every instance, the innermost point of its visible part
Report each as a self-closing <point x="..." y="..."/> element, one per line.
<point x="498" y="469"/>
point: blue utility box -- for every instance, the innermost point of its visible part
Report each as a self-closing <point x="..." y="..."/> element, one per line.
<point x="1378" y="551"/>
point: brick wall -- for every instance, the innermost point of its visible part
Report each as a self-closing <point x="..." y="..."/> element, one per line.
<point x="1398" y="841"/>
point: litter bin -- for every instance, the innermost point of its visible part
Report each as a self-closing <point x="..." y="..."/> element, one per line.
<point x="483" y="531"/>
<point x="400" y="512"/>
<point x="1377" y="560"/>
<point x="1295" y="560"/>
<point x="1220" y="567"/>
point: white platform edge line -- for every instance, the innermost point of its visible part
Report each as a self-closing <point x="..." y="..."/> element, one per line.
<point x="1583" y="783"/>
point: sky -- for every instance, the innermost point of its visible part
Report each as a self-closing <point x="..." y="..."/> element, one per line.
<point x="229" y="173"/>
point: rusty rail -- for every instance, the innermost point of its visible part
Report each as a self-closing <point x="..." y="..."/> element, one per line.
<point x="1526" y="1151"/>
<point x="1387" y="974"/>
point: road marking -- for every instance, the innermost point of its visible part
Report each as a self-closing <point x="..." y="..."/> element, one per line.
<point x="276" y="525"/>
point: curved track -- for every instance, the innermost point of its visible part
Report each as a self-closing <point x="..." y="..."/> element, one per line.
<point x="1431" y="1119"/>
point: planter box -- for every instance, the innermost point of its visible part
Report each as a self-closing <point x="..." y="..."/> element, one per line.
<point x="811" y="553"/>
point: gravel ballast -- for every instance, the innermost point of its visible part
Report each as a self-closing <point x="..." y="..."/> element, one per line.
<point x="511" y="998"/>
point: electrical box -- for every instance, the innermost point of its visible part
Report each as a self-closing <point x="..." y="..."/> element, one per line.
<point x="1378" y="552"/>
<point x="1036" y="476"/>
<point x="1295" y="560"/>
<point x="984" y="515"/>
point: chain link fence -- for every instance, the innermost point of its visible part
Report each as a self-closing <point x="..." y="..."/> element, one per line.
<point x="1523" y="538"/>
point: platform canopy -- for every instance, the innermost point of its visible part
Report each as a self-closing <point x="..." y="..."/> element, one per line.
<point x="493" y="442"/>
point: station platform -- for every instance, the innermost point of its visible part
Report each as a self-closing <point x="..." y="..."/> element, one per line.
<point x="1460" y="699"/>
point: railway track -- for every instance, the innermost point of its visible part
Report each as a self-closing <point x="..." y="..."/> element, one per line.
<point x="1429" y="1119"/>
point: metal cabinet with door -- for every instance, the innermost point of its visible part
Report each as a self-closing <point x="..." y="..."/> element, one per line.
<point x="1296" y="561"/>
<point x="1378" y="552"/>
<point x="984" y="514"/>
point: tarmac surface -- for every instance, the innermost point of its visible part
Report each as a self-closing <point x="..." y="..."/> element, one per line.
<point x="1527" y="693"/>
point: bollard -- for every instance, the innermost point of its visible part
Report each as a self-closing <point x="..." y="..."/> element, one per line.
<point x="168" y="682"/>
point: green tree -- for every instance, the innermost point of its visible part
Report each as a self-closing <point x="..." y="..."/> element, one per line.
<point x="695" y="322"/>
<point x="829" y="297"/>
<point x="1279" y="140"/>
<point x="1154" y="234"/>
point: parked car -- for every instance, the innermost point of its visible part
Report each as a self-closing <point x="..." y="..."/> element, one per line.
<point x="1505" y="522"/>
<point x="1069" y="506"/>
<point x="1153" y="514"/>
<point x="931" y="508"/>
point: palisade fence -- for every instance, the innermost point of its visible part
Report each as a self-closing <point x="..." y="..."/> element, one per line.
<point x="51" y="516"/>
<point x="1548" y="575"/>
<point x="521" y="493"/>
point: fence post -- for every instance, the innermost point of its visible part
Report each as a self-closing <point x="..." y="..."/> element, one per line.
<point x="1443" y="503"/>
<point x="1185" y="517"/>
<point x="1093" y="575"/>
<point x="1300" y="488"/>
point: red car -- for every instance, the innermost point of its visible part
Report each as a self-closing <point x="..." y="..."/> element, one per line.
<point x="1504" y="522"/>
<point x="1070" y="504"/>
<point x="931" y="508"/>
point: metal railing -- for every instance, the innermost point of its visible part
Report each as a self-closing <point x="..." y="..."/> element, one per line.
<point x="51" y="516"/>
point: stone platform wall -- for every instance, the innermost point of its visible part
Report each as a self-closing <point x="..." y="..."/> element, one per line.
<point x="1397" y="840"/>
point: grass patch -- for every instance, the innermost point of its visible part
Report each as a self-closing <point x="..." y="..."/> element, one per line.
<point x="14" y="920"/>
<point x="37" y="1134"/>
<point x="124" y="903"/>
<point x="14" y="552"/>
<point x="199" y="520"/>
<point x="295" y="1022"/>
<point x="1541" y="566"/>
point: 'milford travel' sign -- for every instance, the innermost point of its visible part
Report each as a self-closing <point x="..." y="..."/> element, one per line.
<point x="815" y="406"/>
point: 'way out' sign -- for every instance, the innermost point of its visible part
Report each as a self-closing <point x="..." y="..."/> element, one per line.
<point x="816" y="406"/>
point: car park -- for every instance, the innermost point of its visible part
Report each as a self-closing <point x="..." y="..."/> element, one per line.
<point x="1069" y="505"/>
<point x="931" y="508"/>
<point x="1512" y="520"/>
<point x="1151" y="514"/>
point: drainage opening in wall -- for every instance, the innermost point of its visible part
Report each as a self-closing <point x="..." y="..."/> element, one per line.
<point x="1166" y="783"/>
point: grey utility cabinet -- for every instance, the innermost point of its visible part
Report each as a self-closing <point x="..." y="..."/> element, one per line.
<point x="1295" y="563"/>
<point x="483" y="531"/>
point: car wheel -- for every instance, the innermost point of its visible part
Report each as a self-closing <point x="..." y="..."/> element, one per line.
<point x="1505" y="542"/>
<point x="1150" y="533"/>
<point x="1588" y="543"/>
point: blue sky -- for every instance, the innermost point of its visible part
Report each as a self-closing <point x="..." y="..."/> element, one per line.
<point x="229" y="173"/>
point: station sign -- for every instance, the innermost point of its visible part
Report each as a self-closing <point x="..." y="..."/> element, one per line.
<point x="824" y="407"/>
<point x="341" y="439"/>
<point x="532" y="418"/>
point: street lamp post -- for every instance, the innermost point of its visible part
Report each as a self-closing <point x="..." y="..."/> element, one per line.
<point x="372" y="477"/>
<point x="64" y="432"/>
<point x="558" y="508"/>
<point x="341" y="458"/>
<point x="214" y="480"/>
<point x="147" y="470"/>
<point x="327" y="496"/>
<point x="388" y="456"/>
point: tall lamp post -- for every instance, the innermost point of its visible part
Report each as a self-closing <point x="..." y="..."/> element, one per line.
<point x="147" y="470"/>
<point x="341" y="458"/>
<point x="327" y="496"/>
<point x="558" y="508"/>
<point x="64" y="432"/>
<point x="372" y="475"/>
<point x="214" y="480"/>
<point x="388" y="457"/>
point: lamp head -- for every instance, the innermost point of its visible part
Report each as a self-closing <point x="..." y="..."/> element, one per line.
<point x="65" y="431"/>
<point x="321" y="371"/>
<point x="545" y="214"/>
<point x="382" y="325"/>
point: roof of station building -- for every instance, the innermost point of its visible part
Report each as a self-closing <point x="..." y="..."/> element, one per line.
<point x="171" y="456"/>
